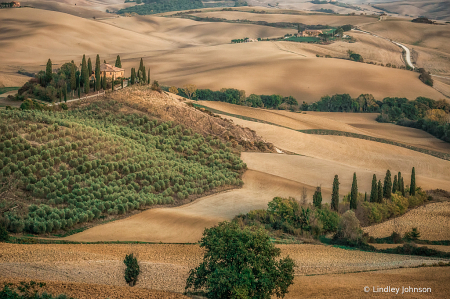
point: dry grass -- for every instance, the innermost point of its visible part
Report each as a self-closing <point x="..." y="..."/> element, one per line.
<point x="432" y="220"/>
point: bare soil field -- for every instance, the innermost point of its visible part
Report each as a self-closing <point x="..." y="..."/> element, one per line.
<point x="185" y="51"/>
<point x="434" y="9"/>
<point x="425" y="35"/>
<point x="432" y="220"/>
<point x="165" y="267"/>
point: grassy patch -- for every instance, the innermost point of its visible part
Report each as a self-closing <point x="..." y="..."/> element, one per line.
<point x="302" y="39"/>
<point x="7" y="89"/>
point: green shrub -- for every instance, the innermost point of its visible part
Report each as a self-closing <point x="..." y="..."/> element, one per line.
<point x="4" y="236"/>
<point x="132" y="270"/>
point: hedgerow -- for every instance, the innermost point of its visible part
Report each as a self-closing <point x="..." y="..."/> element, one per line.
<point x="85" y="164"/>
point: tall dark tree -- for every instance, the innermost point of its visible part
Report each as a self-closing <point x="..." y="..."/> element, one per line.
<point x="387" y="190"/>
<point x="374" y="190"/>
<point x="144" y="76"/>
<point x="335" y="194"/>
<point x="65" y="92"/>
<point x="112" y="83"/>
<point x="73" y="78"/>
<point x="97" y="73"/>
<point x="354" y="193"/>
<point x="412" y="187"/>
<point x="48" y="72"/>
<point x="395" y="185"/>
<point x="402" y="187"/>
<point x="141" y="65"/>
<point x="104" y="82"/>
<point x="89" y="66"/>
<point x="133" y="76"/>
<point x="118" y="62"/>
<point x="380" y="192"/>
<point x="148" y="77"/>
<point x="365" y="196"/>
<point x="86" y="81"/>
<point x="83" y="69"/>
<point x="317" y="198"/>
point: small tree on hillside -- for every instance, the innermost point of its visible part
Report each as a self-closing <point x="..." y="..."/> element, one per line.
<point x="374" y="190"/>
<point x="380" y="192"/>
<point x="387" y="190"/>
<point x="118" y="62"/>
<point x="144" y="76"/>
<point x="173" y="89"/>
<point x="132" y="270"/>
<point x="402" y="188"/>
<point x="133" y="76"/>
<point x="148" y="77"/>
<point x="83" y="70"/>
<point x="335" y="194"/>
<point x="317" y="198"/>
<point x="49" y="71"/>
<point x="240" y="263"/>
<point x="189" y="90"/>
<point x="412" y="187"/>
<point x="354" y="193"/>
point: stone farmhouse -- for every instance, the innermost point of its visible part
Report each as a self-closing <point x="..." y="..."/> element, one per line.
<point x="111" y="71"/>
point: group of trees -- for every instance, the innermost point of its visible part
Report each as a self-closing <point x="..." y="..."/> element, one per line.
<point x="159" y="6"/>
<point x="141" y="77"/>
<point x="50" y="86"/>
<point x="89" y="163"/>
<point x="422" y="113"/>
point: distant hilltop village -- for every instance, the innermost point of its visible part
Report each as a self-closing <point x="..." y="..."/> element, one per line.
<point x="9" y="4"/>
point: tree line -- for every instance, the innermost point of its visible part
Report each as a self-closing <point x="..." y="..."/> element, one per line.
<point x="158" y="6"/>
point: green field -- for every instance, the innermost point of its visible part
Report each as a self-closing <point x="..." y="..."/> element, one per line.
<point x="303" y="39"/>
<point x="79" y="165"/>
<point x="7" y="89"/>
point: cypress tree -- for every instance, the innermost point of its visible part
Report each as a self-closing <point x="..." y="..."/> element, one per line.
<point x="335" y="194"/>
<point x="48" y="72"/>
<point x="387" y="190"/>
<point x="374" y="190"/>
<point x="98" y="83"/>
<point x="380" y="192"/>
<point x="144" y="76"/>
<point x="112" y="83"/>
<point x="412" y="188"/>
<point x="141" y="65"/>
<point x="148" y="77"/>
<point x="118" y="62"/>
<point x="65" y="92"/>
<point x="79" y="92"/>
<point x="133" y="76"/>
<point x="73" y="78"/>
<point x="317" y="198"/>
<point x="402" y="188"/>
<point x="104" y="82"/>
<point x="121" y="82"/>
<point x="89" y="66"/>
<point x="86" y="81"/>
<point x="83" y="69"/>
<point x="365" y="196"/>
<point x="354" y="193"/>
<point x="395" y="185"/>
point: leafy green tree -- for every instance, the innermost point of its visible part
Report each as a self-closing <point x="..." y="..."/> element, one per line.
<point x="380" y="192"/>
<point x="132" y="270"/>
<point x="374" y="190"/>
<point x="412" y="187"/>
<point x="317" y="198"/>
<point x="48" y="72"/>
<point x="395" y="185"/>
<point x="240" y="263"/>
<point x="387" y="189"/>
<point x="97" y="74"/>
<point x="118" y="62"/>
<point x="335" y="194"/>
<point x="354" y="193"/>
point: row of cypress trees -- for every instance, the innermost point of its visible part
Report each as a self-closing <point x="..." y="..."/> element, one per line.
<point x="141" y="76"/>
<point x="378" y="192"/>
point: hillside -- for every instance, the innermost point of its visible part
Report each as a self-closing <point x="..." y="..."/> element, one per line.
<point x="103" y="159"/>
<point x="182" y="52"/>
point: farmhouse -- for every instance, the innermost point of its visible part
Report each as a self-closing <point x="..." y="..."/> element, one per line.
<point x="311" y="32"/>
<point x="111" y="71"/>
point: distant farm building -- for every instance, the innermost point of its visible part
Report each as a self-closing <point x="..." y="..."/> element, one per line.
<point x="111" y="71"/>
<point x="311" y="32"/>
<point x="9" y="4"/>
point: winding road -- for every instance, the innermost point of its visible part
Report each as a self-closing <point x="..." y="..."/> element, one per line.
<point x="407" y="52"/>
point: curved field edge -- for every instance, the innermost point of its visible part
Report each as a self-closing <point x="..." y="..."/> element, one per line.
<point x="440" y="155"/>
